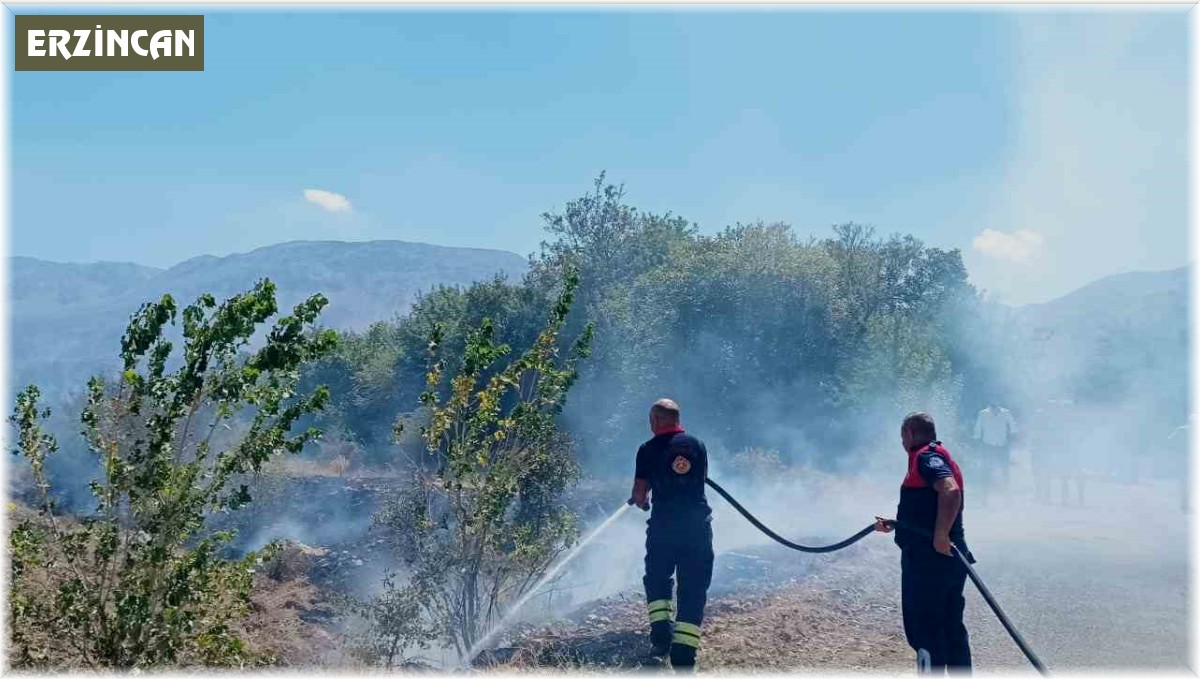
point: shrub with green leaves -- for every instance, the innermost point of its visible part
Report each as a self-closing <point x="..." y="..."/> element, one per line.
<point x="479" y="525"/>
<point x="389" y="626"/>
<point x="140" y="582"/>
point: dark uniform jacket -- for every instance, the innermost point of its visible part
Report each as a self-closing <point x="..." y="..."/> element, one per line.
<point x="919" y="501"/>
<point x="675" y="464"/>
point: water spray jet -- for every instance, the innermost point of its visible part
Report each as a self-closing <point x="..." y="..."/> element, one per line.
<point x="511" y="615"/>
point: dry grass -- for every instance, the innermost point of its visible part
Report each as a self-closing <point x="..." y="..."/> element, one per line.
<point x="834" y="619"/>
<point x="289" y="620"/>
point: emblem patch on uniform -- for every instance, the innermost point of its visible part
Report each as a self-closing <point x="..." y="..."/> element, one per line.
<point x="681" y="465"/>
<point x="935" y="461"/>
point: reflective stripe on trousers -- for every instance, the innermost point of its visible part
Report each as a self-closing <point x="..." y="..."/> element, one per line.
<point x="687" y="634"/>
<point x="659" y="610"/>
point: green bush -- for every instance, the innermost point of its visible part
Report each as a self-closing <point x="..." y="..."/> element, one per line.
<point x="140" y="582"/>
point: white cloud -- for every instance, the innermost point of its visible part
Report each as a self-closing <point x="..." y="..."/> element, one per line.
<point x="1019" y="247"/>
<point x="327" y="200"/>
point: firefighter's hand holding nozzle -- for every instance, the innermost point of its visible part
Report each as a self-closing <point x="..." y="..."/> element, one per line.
<point x="883" y="525"/>
<point x="643" y="507"/>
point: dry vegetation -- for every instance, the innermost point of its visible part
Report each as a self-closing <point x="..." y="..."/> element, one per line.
<point x="840" y="617"/>
<point x="290" y="620"/>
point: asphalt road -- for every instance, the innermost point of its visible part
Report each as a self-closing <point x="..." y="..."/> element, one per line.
<point x="1098" y="587"/>
<point x="1092" y="588"/>
<point x="1104" y="586"/>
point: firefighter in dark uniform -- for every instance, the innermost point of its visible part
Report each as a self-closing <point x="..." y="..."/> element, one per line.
<point x="671" y="470"/>
<point x="931" y="577"/>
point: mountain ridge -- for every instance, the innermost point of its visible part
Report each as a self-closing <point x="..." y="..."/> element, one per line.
<point x="67" y="318"/>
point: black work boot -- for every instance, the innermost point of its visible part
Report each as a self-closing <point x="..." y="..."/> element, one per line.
<point x="660" y="637"/>
<point x="683" y="658"/>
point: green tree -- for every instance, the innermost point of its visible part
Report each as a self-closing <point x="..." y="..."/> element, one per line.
<point x="606" y="241"/>
<point x="485" y="520"/>
<point x="610" y="243"/>
<point x="728" y="322"/>
<point x="898" y="308"/>
<point x="381" y="371"/>
<point x="139" y="582"/>
<point x="364" y="387"/>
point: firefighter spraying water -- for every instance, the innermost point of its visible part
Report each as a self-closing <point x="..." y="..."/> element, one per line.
<point x="670" y="477"/>
<point x="671" y="470"/>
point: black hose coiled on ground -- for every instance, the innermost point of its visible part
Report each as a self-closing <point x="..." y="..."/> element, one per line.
<point x="983" y="590"/>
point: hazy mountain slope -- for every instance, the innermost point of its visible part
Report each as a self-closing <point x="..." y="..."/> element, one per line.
<point x="1118" y="299"/>
<point x="67" y="319"/>
<point x="365" y="282"/>
<point x="1120" y="333"/>
<point x="40" y="287"/>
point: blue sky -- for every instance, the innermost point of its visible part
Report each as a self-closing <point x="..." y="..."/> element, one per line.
<point x="1050" y="148"/>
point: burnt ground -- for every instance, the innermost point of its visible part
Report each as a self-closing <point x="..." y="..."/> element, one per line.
<point x="765" y="613"/>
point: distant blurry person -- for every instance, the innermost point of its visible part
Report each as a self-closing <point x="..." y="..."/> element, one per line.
<point x="931" y="577"/>
<point x="671" y="470"/>
<point x="1039" y="450"/>
<point x="1180" y="451"/>
<point x="994" y="432"/>
<point x="1056" y="453"/>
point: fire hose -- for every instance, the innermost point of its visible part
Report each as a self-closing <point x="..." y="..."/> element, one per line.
<point x="983" y="590"/>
